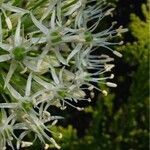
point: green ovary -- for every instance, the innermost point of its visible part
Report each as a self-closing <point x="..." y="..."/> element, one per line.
<point x="19" y="53"/>
<point x="27" y="106"/>
<point x="56" y="37"/>
<point x="88" y="36"/>
<point x="62" y="93"/>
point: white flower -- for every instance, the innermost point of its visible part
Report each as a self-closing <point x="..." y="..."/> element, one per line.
<point x="49" y="56"/>
<point x="17" y="50"/>
<point x="7" y="125"/>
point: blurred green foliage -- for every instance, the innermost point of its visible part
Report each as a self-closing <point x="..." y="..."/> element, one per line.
<point x="125" y="128"/>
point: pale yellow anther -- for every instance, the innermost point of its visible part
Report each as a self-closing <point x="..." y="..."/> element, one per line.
<point x="105" y="92"/>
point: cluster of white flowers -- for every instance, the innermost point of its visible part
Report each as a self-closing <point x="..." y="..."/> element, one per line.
<point x="46" y="51"/>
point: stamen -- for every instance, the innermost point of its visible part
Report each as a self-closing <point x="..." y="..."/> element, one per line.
<point x="111" y="84"/>
<point x="105" y="92"/>
<point x="117" y="53"/>
<point x="26" y="144"/>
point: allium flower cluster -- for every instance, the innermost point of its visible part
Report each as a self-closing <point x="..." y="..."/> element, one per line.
<point x="47" y="54"/>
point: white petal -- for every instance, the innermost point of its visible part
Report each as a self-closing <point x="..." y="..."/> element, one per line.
<point x="1" y="32"/>
<point x="5" y="57"/>
<point x="13" y="92"/>
<point x="51" y="6"/>
<point x="53" y="20"/>
<point x="6" y="47"/>
<point x="39" y="25"/>
<point x="17" y="34"/>
<point x="41" y="57"/>
<point x="12" y="69"/>
<point x="54" y="75"/>
<point x="73" y="8"/>
<point x="77" y="49"/>
<point x="61" y="74"/>
<point x="8" y="105"/>
<point x="68" y="75"/>
<point x="8" y="22"/>
<point x="38" y="40"/>
<point x="13" y="8"/>
<point x="4" y="115"/>
<point x="28" y="86"/>
<point x="60" y="57"/>
<point x="42" y="82"/>
<point x="31" y="64"/>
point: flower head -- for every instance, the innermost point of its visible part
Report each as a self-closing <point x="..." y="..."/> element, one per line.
<point x="50" y="54"/>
